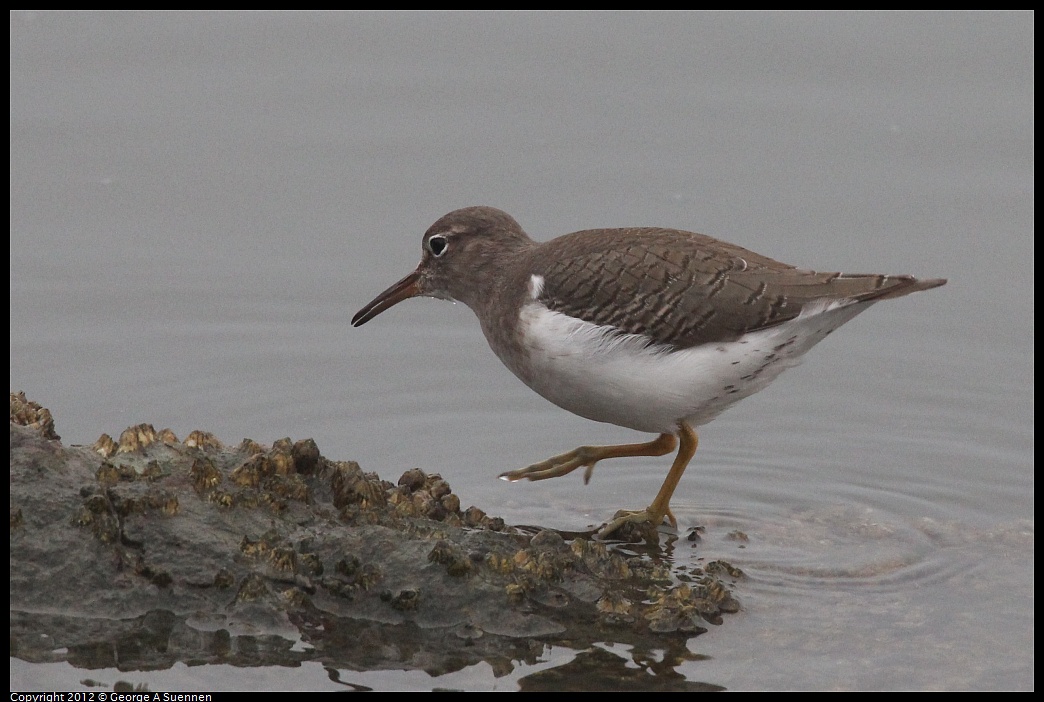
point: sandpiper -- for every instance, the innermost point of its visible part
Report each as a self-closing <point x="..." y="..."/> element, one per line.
<point x="658" y="330"/>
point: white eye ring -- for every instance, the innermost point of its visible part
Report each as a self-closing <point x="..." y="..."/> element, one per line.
<point x="437" y="245"/>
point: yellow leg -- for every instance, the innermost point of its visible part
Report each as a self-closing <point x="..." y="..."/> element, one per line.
<point x="587" y="456"/>
<point x="660" y="506"/>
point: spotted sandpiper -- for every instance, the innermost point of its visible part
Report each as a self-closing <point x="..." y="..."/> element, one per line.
<point x="658" y="330"/>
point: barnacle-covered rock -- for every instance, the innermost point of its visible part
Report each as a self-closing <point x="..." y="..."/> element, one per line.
<point x="194" y="539"/>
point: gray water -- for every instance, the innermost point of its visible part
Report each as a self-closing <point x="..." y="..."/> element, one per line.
<point x="201" y="201"/>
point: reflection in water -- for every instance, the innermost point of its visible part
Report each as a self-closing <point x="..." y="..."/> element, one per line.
<point x="608" y="668"/>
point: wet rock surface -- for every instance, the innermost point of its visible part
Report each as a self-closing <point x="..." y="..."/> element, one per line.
<point x="144" y="551"/>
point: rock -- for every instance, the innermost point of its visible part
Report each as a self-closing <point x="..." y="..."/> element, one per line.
<point x="149" y="551"/>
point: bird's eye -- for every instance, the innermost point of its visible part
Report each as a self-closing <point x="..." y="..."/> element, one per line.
<point x="437" y="245"/>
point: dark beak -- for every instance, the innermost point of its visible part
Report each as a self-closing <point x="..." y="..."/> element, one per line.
<point x="406" y="288"/>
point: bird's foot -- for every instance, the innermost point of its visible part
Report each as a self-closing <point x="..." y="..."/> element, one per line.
<point x="586" y="456"/>
<point x="557" y="466"/>
<point x="646" y="518"/>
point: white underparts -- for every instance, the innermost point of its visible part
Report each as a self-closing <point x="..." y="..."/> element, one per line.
<point x="604" y="375"/>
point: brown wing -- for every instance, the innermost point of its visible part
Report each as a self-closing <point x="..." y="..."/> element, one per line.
<point x="684" y="289"/>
